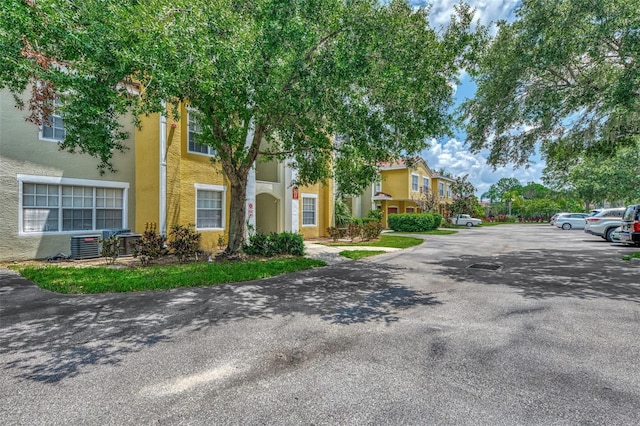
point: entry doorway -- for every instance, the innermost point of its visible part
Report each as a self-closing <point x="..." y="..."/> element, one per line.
<point x="267" y="213"/>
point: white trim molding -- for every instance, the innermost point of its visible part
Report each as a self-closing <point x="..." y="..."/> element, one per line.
<point x="65" y="181"/>
<point x="216" y="188"/>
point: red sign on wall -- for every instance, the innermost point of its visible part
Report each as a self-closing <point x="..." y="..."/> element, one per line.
<point x="294" y="192"/>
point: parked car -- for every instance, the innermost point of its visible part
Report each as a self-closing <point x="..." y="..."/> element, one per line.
<point x="552" y="221"/>
<point x="630" y="233"/>
<point x="615" y="235"/>
<point x="571" y="221"/>
<point x="604" y="222"/>
<point x="465" y="219"/>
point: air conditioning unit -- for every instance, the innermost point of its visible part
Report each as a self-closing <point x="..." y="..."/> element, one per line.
<point x="85" y="247"/>
<point x="106" y="233"/>
<point x="127" y="243"/>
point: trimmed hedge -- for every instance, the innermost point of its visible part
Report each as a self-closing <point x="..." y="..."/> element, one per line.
<point x="412" y="222"/>
<point x="275" y="244"/>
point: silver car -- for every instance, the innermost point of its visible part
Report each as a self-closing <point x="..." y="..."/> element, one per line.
<point x="571" y="220"/>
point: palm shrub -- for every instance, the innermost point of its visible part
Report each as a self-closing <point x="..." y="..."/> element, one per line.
<point x="342" y="214"/>
<point x="375" y="214"/>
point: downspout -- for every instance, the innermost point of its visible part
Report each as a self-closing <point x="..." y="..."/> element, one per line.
<point x="163" y="173"/>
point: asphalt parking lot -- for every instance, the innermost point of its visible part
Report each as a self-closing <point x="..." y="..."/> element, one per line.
<point x="518" y="324"/>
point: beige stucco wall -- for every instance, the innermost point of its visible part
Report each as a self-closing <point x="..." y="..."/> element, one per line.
<point x="22" y="152"/>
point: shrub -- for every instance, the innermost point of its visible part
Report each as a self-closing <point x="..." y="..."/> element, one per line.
<point x="150" y="246"/>
<point x="289" y="243"/>
<point x="275" y="244"/>
<point x="184" y="242"/>
<point x="110" y="249"/>
<point x="221" y="242"/>
<point x="375" y="214"/>
<point x="337" y="233"/>
<point x="371" y="230"/>
<point x="412" y="222"/>
<point x="342" y="214"/>
<point x="354" y="230"/>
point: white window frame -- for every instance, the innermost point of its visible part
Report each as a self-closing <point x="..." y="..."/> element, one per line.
<point x="62" y="181"/>
<point x="415" y="182"/>
<point x="315" y="208"/>
<point x="214" y="188"/>
<point x="377" y="186"/>
<point x="425" y="184"/>
<point x="441" y="188"/>
<point x="448" y="191"/>
<point x="191" y="121"/>
<point x="56" y="103"/>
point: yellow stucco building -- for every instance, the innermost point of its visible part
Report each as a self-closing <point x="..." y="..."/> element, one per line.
<point x="400" y="188"/>
<point x="177" y="183"/>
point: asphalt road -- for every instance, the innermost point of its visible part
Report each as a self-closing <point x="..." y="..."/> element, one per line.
<point x="519" y="324"/>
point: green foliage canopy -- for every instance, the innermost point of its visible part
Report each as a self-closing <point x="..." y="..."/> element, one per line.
<point x="272" y="77"/>
<point x="565" y="74"/>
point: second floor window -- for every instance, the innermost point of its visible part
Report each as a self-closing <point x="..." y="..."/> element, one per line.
<point x="448" y="191"/>
<point x="193" y="131"/>
<point x="441" y="189"/>
<point x="53" y="126"/>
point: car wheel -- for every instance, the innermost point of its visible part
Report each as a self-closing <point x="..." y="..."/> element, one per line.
<point x="566" y="226"/>
<point x="609" y="234"/>
<point x="469" y="224"/>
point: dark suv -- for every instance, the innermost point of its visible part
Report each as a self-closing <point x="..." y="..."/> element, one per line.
<point x="630" y="233"/>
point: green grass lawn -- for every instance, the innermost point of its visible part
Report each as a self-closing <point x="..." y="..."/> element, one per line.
<point x="360" y="254"/>
<point x="385" y="241"/>
<point x="71" y="280"/>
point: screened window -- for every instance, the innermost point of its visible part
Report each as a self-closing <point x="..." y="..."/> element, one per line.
<point x="309" y="211"/>
<point x="193" y="132"/>
<point x="414" y="182"/>
<point x="53" y="126"/>
<point x="209" y="208"/>
<point x="57" y="207"/>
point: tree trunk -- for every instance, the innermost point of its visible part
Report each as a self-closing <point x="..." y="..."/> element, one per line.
<point x="237" y="214"/>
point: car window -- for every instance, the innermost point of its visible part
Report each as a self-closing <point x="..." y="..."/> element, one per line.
<point x="631" y="213"/>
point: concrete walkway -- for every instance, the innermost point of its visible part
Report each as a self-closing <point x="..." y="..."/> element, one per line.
<point x="330" y="254"/>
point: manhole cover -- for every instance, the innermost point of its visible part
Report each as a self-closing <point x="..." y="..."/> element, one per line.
<point x="489" y="266"/>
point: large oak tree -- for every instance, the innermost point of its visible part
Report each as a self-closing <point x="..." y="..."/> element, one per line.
<point x="271" y="77"/>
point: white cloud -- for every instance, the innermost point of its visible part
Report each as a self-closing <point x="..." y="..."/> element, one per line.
<point x="455" y="158"/>
<point x="487" y="11"/>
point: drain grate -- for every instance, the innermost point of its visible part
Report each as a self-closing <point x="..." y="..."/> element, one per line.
<point x="488" y="266"/>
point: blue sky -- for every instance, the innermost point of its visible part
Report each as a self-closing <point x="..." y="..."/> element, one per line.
<point x="453" y="154"/>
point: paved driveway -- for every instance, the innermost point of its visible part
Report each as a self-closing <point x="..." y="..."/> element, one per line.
<point x="544" y="328"/>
